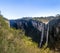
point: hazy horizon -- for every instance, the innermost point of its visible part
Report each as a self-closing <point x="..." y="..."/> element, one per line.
<point x="14" y="9"/>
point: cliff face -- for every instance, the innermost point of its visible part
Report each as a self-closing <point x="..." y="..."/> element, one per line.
<point x="38" y="30"/>
<point x="33" y="28"/>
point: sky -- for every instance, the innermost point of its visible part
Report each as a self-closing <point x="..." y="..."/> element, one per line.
<point x="14" y="9"/>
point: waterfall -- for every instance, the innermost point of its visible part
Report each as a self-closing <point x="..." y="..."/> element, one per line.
<point x="47" y="35"/>
<point x="42" y="35"/>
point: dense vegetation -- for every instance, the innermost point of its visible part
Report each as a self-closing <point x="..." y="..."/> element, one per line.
<point x="15" y="41"/>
